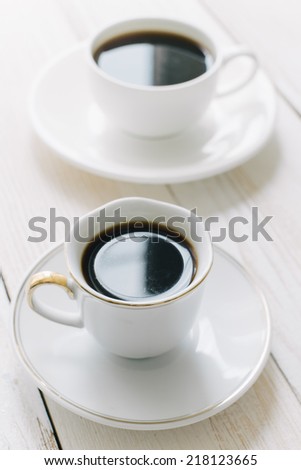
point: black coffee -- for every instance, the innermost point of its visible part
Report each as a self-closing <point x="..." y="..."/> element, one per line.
<point x="153" y="58"/>
<point x="138" y="264"/>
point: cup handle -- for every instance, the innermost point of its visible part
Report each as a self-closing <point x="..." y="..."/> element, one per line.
<point x="235" y="52"/>
<point x="52" y="313"/>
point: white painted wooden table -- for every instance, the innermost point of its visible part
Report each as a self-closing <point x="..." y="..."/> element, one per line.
<point x="33" y="180"/>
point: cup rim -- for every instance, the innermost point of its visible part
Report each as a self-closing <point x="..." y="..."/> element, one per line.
<point x="155" y="88"/>
<point x="150" y="303"/>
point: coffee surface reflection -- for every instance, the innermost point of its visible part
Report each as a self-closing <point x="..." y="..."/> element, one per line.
<point x="153" y="58"/>
<point x="138" y="265"/>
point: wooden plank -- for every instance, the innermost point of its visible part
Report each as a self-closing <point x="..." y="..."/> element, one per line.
<point x="272" y="29"/>
<point x="24" y="423"/>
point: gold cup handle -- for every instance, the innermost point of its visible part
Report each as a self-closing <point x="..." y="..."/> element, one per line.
<point x="47" y="311"/>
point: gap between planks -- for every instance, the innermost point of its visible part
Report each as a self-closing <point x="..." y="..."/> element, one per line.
<point x="22" y="429"/>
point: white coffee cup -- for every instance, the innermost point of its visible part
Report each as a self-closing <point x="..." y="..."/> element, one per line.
<point x="157" y="111"/>
<point x="129" y="329"/>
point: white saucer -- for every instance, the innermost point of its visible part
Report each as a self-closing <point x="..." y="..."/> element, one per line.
<point x="215" y="366"/>
<point x="66" y="118"/>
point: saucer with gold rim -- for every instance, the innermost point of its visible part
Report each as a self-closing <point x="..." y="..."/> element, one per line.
<point x="214" y="366"/>
<point x="66" y="118"/>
